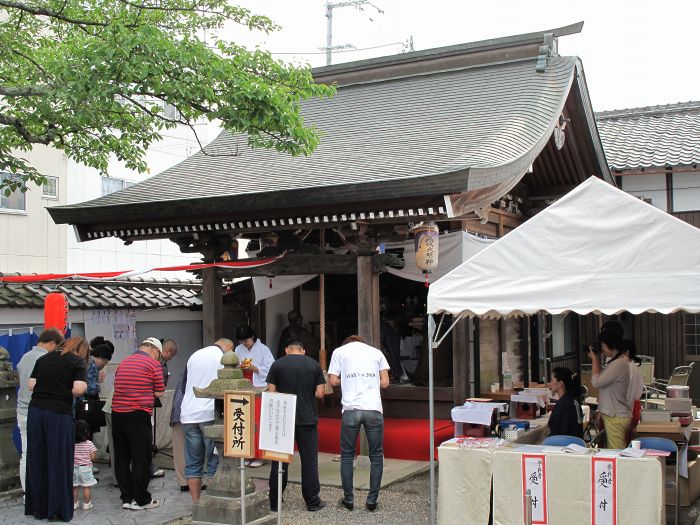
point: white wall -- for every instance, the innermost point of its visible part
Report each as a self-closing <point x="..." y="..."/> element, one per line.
<point x="30" y="242"/>
<point x="102" y="255"/>
<point x="686" y="191"/>
<point x="647" y="186"/>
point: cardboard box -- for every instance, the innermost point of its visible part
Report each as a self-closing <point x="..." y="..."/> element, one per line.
<point x="658" y="428"/>
<point x="690" y="488"/>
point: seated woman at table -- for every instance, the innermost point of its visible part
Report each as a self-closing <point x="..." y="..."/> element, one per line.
<point x="612" y="383"/>
<point x="567" y="417"/>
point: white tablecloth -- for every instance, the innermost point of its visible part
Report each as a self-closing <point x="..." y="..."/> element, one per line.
<point x="640" y="497"/>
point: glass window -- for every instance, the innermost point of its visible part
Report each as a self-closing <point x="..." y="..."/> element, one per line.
<point x="691" y="324"/>
<point x="110" y="185"/>
<point x="16" y="200"/>
<point x="50" y="189"/>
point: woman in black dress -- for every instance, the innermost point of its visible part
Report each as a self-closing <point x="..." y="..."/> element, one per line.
<point x="567" y="418"/>
<point x="57" y="378"/>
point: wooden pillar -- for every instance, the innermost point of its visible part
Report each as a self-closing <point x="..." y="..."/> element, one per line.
<point x="212" y="306"/>
<point x="367" y="301"/>
<point x="460" y="362"/>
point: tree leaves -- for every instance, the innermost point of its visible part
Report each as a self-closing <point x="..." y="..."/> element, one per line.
<point x="93" y="78"/>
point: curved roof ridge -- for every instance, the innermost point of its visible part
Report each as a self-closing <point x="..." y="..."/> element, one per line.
<point x="644" y="111"/>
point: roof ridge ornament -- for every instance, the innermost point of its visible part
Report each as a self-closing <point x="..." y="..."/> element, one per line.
<point x="548" y="50"/>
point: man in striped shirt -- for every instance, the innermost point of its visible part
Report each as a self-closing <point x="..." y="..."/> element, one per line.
<point x="137" y="382"/>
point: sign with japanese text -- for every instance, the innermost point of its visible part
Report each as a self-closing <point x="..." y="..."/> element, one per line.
<point x="604" y="481"/>
<point x="534" y="472"/>
<point x="239" y="424"/>
<point x="277" y="417"/>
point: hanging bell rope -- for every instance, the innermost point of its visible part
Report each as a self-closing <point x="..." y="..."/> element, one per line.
<point x="323" y="353"/>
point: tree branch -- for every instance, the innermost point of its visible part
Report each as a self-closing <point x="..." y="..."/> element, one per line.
<point x="40" y="11"/>
<point x="23" y="91"/>
<point x="23" y="132"/>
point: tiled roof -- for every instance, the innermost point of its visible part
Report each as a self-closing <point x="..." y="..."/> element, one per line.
<point x="651" y="137"/>
<point x="446" y="130"/>
<point x="136" y="293"/>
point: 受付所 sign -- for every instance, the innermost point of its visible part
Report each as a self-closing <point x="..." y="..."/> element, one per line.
<point x="277" y="417"/>
<point x="239" y="424"/>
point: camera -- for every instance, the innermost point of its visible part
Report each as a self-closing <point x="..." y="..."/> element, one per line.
<point x="597" y="348"/>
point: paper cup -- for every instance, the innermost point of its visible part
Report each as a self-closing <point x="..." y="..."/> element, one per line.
<point x="494" y="387"/>
<point x="636" y="444"/>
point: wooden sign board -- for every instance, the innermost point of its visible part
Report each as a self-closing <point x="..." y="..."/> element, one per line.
<point x="239" y="424"/>
<point x="277" y="419"/>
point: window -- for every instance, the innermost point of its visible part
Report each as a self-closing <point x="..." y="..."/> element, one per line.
<point x="15" y="201"/>
<point x="691" y="324"/>
<point x="110" y="185"/>
<point x="50" y="189"/>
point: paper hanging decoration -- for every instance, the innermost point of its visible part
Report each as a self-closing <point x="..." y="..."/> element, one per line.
<point x="56" y="312"/>
<point x="426" y="245"/>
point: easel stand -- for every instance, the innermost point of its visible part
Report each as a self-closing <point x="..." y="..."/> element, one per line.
<point x="242" y="467"/>
<point x="280" y="471"/>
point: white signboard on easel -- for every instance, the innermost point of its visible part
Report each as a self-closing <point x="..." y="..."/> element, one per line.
<point x="277" y="417"/>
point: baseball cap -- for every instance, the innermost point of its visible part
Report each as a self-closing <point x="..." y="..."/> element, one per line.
<point x="153" y="341"/>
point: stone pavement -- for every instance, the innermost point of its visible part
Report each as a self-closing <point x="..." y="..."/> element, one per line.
<point x="108" y="511"/>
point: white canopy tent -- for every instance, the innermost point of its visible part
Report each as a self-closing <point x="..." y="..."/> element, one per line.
<point x="596" y="250"/>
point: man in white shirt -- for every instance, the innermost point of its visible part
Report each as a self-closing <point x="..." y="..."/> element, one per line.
<point x="360" y="370"/>
<point x="197" y="413"/>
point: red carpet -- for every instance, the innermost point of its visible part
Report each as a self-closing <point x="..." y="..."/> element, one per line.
<point x="403" y="438"/>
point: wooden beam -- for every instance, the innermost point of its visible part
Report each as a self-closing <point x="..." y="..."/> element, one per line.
<point x="329" y="264"/>
<point x="460" y="362"/>
<point x="212" y="306"/>
<point x="367" y="300"/>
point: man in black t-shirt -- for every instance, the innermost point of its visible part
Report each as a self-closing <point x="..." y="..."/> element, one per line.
<point x="298" y="374"/>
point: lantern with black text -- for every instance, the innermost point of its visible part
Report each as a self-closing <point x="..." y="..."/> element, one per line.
<point x="426" y="245"/>
<point x="56" y="312"/>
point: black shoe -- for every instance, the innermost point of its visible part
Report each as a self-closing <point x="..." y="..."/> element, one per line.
<point x="345" y="505"/>
<point x="204" y="487"/>
<point x="371" y="507"/>
<point x="317" y="507"/>
<point x="184" y="488"/>
<point x="273" y="508"/>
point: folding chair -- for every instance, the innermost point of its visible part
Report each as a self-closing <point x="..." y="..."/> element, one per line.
<point x="666" y="445"/>
<point x="563" y="441"/>
<point x="655" y="393"/>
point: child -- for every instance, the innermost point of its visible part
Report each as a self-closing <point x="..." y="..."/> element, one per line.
<point x="85" y="454"/>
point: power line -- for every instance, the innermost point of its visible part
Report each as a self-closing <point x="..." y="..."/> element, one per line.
<point x="338" y="51"/>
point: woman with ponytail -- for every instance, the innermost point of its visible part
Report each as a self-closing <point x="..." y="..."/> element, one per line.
<point x="567" y="418"/>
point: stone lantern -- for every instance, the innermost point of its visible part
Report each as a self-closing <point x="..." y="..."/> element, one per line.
<point x="222" y="502"/>
<point x="9" y="457"/>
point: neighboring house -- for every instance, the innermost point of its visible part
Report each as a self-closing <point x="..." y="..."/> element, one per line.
<point x="654" y="152"/>
<point x="30" y="242"/>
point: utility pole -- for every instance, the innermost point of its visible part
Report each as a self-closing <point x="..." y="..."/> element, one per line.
<point x="329" y="24"/>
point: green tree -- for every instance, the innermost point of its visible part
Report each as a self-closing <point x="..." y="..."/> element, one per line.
<point x="92" y="78"/>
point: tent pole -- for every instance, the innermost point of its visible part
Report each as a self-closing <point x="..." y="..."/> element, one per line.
<point x="431" y="405"/>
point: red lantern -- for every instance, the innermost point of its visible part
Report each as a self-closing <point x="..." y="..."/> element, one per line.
<point x="56" y="312"/>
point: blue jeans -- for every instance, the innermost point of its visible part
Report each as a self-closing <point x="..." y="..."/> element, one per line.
<point x="373" y="422"/>
<point x="198" y="451"/>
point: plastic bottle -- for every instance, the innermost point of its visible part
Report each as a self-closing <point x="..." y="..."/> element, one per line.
<point x="507" y="378"/>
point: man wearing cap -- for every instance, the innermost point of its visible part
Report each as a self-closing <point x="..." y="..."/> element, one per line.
<point x="137" y="382"/>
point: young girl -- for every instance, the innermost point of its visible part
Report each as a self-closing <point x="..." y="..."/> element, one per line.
<point x="85" y="454"/>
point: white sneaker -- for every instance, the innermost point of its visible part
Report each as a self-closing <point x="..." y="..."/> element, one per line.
<point x="152" y="505"/>
<point x="128" y="505"/>
<point x="256" y="463"/>
<point x="76" y="505"/>
<point x="88" y="505"/>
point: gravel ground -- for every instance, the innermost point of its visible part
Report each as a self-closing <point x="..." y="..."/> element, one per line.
<point x="406" y="502"/>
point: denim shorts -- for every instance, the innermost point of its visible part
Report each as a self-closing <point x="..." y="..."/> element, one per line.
<point x="83" y="476"/>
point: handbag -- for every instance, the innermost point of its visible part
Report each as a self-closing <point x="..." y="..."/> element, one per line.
<point x="90" y="410"/>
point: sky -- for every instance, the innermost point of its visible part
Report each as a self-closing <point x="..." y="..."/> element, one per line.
<point x="634" y="53"/>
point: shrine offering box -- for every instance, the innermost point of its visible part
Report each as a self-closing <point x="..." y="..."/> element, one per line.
<point x="526" y="410"/>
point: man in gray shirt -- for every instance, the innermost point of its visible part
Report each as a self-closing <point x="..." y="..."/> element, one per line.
<point x="49" y="340"/>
